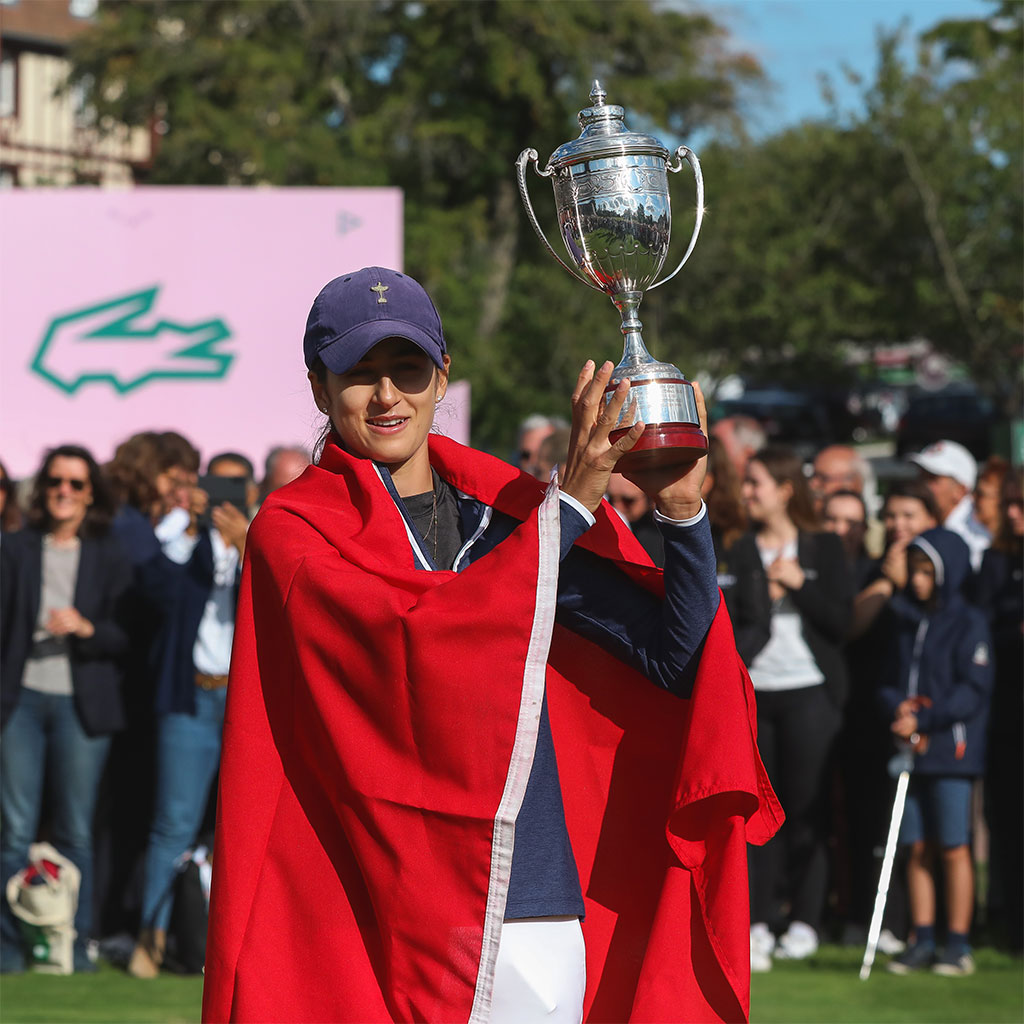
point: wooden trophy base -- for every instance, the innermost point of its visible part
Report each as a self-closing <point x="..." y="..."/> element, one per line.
<point x="661" y="446"/>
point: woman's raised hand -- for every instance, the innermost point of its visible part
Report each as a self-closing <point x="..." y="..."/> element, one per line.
<point x="592" y="457"/>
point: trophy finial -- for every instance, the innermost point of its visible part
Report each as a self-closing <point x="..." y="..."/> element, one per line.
<point x="597" y="94"/>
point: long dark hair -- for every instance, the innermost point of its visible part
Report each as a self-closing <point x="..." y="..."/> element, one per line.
<point x="724" y="502"/>
<point x="10" y="520"/>
<point x="319" y="370"/>
<point x="99" y="514"/>
<point x="133" y="471"/>
<point x="785" y="467"/>
<point x="141" y="459"/>
<point x="1012" y="494"/>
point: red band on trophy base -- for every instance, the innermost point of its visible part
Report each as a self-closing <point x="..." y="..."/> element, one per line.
<point x="662" y="445"/>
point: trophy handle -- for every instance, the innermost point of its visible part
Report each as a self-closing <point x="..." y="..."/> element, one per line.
<point x="529" y="156"/>
<point x="687" y="154"/>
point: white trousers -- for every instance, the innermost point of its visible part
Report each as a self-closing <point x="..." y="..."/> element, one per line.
<point x="541" y="972"/>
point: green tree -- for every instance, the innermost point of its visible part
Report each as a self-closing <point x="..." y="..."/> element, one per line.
<point x="437" y="98"/>
<point x="904" y="221"/>
<point x="956" y="123"/>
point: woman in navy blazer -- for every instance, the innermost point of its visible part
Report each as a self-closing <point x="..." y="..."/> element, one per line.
<point x="63" y="583"/>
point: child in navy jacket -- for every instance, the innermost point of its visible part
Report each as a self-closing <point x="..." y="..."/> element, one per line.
<point x="939" y="703"/>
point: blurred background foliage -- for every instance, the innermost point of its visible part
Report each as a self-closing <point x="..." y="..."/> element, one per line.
<point x="903" y="221"/>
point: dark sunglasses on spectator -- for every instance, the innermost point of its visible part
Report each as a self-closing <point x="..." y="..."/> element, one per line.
<point x="53" y="482"/>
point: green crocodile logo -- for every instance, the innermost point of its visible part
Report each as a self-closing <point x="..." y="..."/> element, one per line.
<point x="109" y="342"/>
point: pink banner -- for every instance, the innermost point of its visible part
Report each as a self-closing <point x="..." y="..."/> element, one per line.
<point x="175" y="309"/>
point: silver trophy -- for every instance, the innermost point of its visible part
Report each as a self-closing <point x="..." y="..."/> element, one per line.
<point x="615" y="218"/>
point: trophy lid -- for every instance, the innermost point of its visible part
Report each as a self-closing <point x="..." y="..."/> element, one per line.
<point x="604" y="134"/>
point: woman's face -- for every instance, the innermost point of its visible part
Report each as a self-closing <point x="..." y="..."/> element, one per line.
<point x="383" y="408"/>
<point x="844" y="516"/>
<point x="904" y="519"/>
<point x="68" y="491"/>
<point x="762" y="496"/>
<point x="987" y="494"/>
<point x="174" y="487"/>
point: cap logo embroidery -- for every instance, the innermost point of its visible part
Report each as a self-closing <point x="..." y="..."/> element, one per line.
<point x="380" y="289"/>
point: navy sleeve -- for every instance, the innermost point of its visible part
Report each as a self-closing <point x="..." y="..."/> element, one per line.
<point x="972" y="669"/>
<point x="110" y="636"/>
<point x="745" y="589"/>
<point x="573" y="526"/>
<point x="658" y="638"/>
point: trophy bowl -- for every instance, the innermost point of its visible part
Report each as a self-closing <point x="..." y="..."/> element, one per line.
<point x="615" y="219"/>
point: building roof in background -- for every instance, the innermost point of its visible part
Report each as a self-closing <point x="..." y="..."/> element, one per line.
<point x="49" y="23"/>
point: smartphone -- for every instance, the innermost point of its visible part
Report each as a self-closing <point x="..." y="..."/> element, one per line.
<point x="221" y="489"/>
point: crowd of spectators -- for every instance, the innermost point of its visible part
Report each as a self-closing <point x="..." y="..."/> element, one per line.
<point x="869" y="622"/>
<point x="854" y="659"/>
<point x="116" y="623"/>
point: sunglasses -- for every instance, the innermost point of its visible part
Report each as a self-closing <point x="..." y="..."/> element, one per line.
<point x="53" y="482"/>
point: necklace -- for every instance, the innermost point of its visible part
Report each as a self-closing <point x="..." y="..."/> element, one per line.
<point x="433" y="517"/>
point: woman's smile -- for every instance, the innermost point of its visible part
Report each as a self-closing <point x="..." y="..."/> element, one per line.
<point x="383" y="408"/>
<point x="387" y="424"/>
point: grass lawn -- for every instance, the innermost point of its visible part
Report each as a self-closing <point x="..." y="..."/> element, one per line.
<point x="106" y="997"/>
<point x="825" y="988"/>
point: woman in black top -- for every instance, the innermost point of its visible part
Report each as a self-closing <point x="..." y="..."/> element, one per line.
<point x="800" y="680"/>
<point x="63" y="582"/>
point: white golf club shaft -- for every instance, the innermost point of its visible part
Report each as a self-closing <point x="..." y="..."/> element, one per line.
<point x="883" y="881"/>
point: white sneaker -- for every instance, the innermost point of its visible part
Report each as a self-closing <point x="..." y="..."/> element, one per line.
<point x="857" y="935"/>
<point x="889" y="944"/>
<point x="799" y="942"/>
<point x="762" y="943"/>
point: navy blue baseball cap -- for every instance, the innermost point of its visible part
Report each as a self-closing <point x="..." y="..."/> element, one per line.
<point x="354" y="312"/>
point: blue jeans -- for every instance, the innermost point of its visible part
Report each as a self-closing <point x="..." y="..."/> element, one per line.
<point x="187" y="758"/>
<point x="43" y="739"/>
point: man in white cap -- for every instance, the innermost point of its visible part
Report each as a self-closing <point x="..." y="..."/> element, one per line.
<point x="950" y="472"/>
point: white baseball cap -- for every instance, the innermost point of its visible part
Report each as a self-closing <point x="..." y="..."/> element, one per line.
<point x="947" y="458"/>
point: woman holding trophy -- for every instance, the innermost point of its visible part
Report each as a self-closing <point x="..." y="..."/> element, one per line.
<point x="482" y="761"/>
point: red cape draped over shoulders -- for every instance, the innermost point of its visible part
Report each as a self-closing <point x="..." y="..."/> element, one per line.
<point x="380" y="729"/>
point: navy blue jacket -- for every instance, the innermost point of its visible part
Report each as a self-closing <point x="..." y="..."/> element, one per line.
<point x="184" y="603"/>
<point x="101" y="595"/>
<point x="176" y="596"/>
<point x="661" y="639"/>
<point x="943" y="653"/>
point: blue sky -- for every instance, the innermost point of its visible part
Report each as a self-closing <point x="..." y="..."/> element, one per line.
<point x="795" y="40"/>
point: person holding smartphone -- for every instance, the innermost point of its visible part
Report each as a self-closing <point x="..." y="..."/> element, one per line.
<point x="206" y="543"/>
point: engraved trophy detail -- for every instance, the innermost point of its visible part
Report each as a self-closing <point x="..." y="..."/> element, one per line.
<point x="615" y="218"/>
